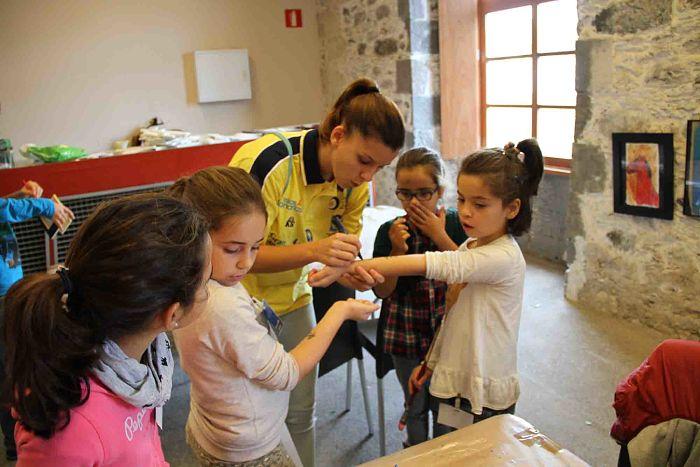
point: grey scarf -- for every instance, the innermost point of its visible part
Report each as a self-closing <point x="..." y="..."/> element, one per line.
<point x="141" y="384"/>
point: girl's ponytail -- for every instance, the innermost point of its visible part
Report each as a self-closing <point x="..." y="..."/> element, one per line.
<point x="534" y="165"/>
<point x="46" y="347"/>
<point x="362" y="107"/>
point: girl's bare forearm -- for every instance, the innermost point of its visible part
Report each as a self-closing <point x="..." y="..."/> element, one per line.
<point x="394" y="266"/>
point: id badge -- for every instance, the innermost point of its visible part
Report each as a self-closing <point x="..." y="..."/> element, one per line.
<point x="454" y="417"/>
<point x="159" y="417"/>
<point x="272" y="319"/>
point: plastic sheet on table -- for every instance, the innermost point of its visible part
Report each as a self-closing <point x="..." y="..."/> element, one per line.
<point x="504" y="440"/>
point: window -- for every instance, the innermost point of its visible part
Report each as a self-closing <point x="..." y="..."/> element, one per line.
<point x="527" y="66"/>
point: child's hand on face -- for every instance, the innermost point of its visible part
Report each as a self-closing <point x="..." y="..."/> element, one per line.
<point x="431" y="224"/>
<point x="398" y="234"/>
<point x="356" y="310"/>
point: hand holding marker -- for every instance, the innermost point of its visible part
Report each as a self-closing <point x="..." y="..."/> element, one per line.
<point x="338" y="224"/>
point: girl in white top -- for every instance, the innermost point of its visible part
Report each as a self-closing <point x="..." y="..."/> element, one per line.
<point x="240" y="374"/>
<point x="474" y="357"/>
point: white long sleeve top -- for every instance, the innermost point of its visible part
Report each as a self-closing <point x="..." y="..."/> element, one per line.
<point x="475" y="355"/>
<point x="240" y="376"/>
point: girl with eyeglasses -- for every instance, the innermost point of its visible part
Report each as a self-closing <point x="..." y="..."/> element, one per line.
<point x="414" y="305"/>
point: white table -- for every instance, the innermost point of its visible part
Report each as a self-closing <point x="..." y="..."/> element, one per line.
<point x="505" y="440"/>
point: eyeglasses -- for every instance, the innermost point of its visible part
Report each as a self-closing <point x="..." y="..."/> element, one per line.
<point x="421" y="195"/>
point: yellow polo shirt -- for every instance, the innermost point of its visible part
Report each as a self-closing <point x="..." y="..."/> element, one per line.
<point x="299" y="205"/>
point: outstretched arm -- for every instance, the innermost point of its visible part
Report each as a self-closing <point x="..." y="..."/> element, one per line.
<point x="310" y="350"/>
<point x="407" y="265"/>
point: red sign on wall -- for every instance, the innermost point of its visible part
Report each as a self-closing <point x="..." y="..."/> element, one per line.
<point x="292" y="18"/>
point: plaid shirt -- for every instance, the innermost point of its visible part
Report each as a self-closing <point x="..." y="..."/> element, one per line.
<point x="415" y="308"/>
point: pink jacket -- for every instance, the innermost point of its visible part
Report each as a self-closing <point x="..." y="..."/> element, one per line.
<point x="105" y="431"/>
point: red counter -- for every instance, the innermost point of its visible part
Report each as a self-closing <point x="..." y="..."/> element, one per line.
<point x="82" y="185"/>
<point x="113" y="173"/>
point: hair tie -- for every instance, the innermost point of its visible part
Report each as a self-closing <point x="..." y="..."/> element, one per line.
<point x="512" y="151"/>
<point x="65" y="280"/>
<point x="67" y="287"/>
<point x="371" y="90"/>
<point x="71" y="297"/>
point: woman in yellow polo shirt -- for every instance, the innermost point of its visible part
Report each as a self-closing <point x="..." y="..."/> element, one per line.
<point x="324" y="180"/>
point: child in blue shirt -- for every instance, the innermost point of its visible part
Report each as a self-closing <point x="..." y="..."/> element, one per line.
<point x="19" y="206"/>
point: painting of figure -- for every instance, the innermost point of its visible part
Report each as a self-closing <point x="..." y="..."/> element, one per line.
<point x="642" y="174"/>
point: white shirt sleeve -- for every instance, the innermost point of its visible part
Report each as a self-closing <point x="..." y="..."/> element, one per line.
<point x="490" y="264"/>
<point x="240" y="339"/>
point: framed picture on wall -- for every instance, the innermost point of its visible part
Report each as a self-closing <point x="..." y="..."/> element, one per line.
<point x="643" y="174"/>
<point x="691" y="202"/>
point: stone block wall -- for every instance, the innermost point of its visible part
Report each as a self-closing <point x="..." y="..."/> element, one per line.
<point x="395" y="42"/>
<point x="365" y="38"/>
<point x="638" y="70"/>
<point x="547" y="235"/>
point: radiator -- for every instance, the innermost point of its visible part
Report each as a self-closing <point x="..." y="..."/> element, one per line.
<point x="40" y="253"/>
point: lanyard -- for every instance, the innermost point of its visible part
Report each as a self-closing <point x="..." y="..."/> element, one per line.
<point x="290" y="155"/>
<point x="290" y="166"/>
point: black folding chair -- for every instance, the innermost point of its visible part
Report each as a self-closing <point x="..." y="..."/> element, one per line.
<point x="345" y="347"/>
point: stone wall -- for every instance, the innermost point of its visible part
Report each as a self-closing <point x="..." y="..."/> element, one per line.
<point x="364" y="38"/>
<point x="638" y="70"/>
<point x="395" y="42"/>
<point x="423" y="72"/>
<point x="547" y="235"/>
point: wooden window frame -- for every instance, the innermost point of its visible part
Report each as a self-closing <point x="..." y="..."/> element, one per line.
<point x="459" y="77"/>
<point x="553" y="165"/>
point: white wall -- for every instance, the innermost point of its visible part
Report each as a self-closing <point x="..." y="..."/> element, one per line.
<point x="88" y="72"/>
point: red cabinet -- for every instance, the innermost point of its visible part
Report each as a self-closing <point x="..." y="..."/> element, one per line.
<point x="82" y="185"/>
